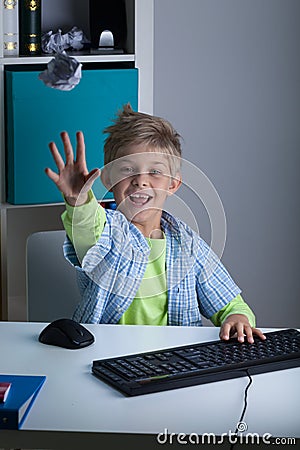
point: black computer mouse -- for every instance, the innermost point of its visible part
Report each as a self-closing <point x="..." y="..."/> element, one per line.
<point x="66" y="333"/>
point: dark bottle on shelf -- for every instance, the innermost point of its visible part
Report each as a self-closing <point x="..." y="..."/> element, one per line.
<point x="30" y="27"/>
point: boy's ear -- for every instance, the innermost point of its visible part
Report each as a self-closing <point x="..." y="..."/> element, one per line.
<point x="175" y="184"/>
<point x="105" y="178"/>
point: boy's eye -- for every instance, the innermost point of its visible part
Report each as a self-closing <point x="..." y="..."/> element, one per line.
<point x="127" y="170"/>
<point x="155" y="172"/>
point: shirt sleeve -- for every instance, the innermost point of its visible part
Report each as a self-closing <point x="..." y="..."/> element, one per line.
<point x="235" y="306"/>
<point x="84" y="224"/>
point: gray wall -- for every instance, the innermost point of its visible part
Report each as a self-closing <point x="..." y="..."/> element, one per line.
<point x="227" y="75"/>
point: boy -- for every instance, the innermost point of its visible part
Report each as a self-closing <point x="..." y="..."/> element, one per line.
<point x="139" y="264"/>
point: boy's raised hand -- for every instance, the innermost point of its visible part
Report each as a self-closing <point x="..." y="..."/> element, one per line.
<point x="73" y="178"/>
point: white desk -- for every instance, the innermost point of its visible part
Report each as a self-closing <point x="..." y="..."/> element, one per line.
<point x="72" y="400"/>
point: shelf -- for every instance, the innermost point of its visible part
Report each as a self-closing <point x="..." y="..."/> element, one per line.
<point x="17" y="222"/>
<point x="17" y="60"/>
<point x="6" y="205"/>
<point x="10" y="206"/>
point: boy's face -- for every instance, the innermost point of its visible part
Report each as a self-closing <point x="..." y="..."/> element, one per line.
<point x="141" y="180"/>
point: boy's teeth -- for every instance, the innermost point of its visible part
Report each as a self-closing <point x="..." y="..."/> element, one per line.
<point x="139" y="198"/>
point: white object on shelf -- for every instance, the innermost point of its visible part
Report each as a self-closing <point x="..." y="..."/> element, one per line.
<point x="10" y="19"/>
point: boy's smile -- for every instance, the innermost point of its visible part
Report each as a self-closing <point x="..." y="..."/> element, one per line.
<point x="141" y="180"/>
<point x="140" y="199"/>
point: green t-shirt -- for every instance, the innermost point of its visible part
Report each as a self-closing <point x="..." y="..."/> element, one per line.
<point x="84" y="225"/>
<point x="150" y="305"/>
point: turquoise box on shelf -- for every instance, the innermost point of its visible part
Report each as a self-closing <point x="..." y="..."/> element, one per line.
<point x="36" y="114"/>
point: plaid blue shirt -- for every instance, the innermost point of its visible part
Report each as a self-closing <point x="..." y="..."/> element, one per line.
<point x="112" y="270"/>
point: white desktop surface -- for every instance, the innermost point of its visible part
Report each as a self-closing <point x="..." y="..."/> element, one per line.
<point x="72" y="399"/>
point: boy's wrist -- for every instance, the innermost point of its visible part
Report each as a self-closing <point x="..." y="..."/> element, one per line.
<point x="79" y="200"/>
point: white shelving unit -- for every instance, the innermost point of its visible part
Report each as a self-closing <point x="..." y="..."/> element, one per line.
<point x="18" y="222"/>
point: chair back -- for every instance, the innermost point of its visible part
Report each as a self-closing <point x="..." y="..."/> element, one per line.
<point x="52" y="291"/>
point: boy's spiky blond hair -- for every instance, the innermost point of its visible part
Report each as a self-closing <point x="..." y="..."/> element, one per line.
<point x="132" y="128"/>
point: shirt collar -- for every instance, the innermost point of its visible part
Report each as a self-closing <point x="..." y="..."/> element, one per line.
<point x="171" y="225"/>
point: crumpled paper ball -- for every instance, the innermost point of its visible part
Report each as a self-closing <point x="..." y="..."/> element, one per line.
<point x="63" y="72"/>
<point x="58" y="42"/>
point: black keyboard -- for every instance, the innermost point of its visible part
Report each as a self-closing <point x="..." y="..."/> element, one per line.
<point x="194" y="364"/>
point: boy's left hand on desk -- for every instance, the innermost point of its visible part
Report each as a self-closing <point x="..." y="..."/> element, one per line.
<point x="238" y="325"/>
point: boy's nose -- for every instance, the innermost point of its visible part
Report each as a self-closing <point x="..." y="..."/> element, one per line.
<point x="141" y="179"/>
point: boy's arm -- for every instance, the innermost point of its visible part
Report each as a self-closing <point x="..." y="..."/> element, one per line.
<point x="84" y="219"/>
<point x="84" y="224"/>
<point x="236" y="306"/>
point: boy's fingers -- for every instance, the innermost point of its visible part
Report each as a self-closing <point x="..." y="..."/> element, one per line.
<point x="95" y="173"/>
<point x="259" y="333"/>
<point x="52" y="175"/>
<point x="240" y="332"/>
<point x="249" y="334"/>
<point x="56" y="156"/>
<point x="92" y="176"/>
<point x="225" y="330"/>
<point x="80" y="150"/>
<point x="67" y="147"/>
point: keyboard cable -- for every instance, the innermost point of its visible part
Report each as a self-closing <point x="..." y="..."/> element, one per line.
<point x="240" y="423"/>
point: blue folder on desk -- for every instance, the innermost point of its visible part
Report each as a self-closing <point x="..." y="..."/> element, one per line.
<point x="24" y="389"/>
